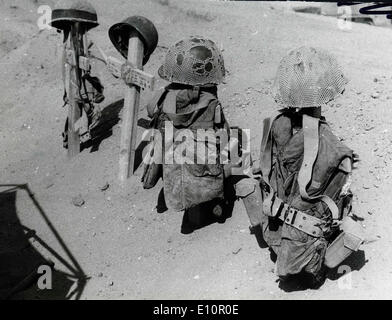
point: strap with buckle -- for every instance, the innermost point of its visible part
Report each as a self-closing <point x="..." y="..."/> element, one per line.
<point x="311" y="147"/>
<point x="277" y="208"/>
<point x="303" y="222"/>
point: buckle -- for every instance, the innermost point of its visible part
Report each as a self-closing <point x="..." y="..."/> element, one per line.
<point x="290" y="215"/>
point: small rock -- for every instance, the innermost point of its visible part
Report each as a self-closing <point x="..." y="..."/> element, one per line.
<point x="375" y="95"/>
<point x="237" y="251"/>
<point x="111" y="284"/>
<point x="105" y="187"/>
<point x="78" y="201"/>
<point x="49" y="185"/>
<point x="369" y="128"/>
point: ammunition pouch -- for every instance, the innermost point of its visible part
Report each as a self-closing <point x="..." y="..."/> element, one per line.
<point x="249" y="191"/>
<point x="151" y="175"/>
<point x="153" y="168"/>
<point x="346" y="243"/>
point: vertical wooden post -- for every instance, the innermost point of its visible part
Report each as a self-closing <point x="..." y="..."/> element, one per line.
<point x="74" y="111"/>
<point x="130" y="112"/>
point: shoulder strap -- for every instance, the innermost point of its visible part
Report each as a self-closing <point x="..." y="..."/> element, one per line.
<point x="310" y="127"/>
<point x="266" y="146"/>
<point x="170" y="103"/>
<point x="152" y="104"/>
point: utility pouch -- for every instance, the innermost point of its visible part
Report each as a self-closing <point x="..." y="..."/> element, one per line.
<point x="348" y="242"/>
<point x="249" y="191"/>
<point x="153" y="169"/>
<point x="151" y="175"/>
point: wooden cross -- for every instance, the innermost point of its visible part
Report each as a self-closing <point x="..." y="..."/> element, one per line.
<point x="135" y="78"/>
<point x="76" y="63"/>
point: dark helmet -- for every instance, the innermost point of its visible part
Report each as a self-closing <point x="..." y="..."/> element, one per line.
<point x="120" y="32"/>
<point x="195" y="61"/>
<point x="79" y="11"/>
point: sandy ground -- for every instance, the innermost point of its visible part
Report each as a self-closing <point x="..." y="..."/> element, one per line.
<point x="117" y="239"/>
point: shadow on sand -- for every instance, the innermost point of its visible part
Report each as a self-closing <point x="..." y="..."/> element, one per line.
<point x="20" y="260"/>
<point x="301" y="282"/>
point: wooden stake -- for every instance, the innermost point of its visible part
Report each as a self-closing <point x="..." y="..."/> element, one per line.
<point x="130" y="112"/>
<point x="73" y="85"/>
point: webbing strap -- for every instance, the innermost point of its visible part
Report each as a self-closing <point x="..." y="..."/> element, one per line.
<point x="266" y="160"/>
<point x="304" y="222"/>
<point x="218" y="114"/>
<point x="277" y="208"/>
<point x="266" y="147"/>
<point x="310" y="128"/>
<point x="152" y="104"/>
<point x="170" y="103"/>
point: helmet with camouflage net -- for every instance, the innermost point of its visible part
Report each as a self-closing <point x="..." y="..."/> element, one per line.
<point x="308" y="77"/>
<point x="195" y="61"/>
<point x="68" y="12"/>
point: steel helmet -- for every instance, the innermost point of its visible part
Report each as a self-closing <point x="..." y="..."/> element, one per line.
<point x="66" y="13"/>
<point x="308" y="77"/>
<point x="120" y="32"/>
<point x="194" y="61"/>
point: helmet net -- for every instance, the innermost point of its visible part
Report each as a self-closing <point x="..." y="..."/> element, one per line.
<point x="308" y="77"/>
<point x="193" y="61"/>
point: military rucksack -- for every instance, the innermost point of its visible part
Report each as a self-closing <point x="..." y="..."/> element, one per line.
<point x="306" y="195"/>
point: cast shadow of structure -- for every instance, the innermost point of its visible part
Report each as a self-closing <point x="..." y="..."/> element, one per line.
<point x="301" y="282"/>
<point x="110" y="116"/>
<point x="20" y="260"/>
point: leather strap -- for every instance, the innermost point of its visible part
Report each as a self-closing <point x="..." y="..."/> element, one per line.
<point x="310" y="128"/>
